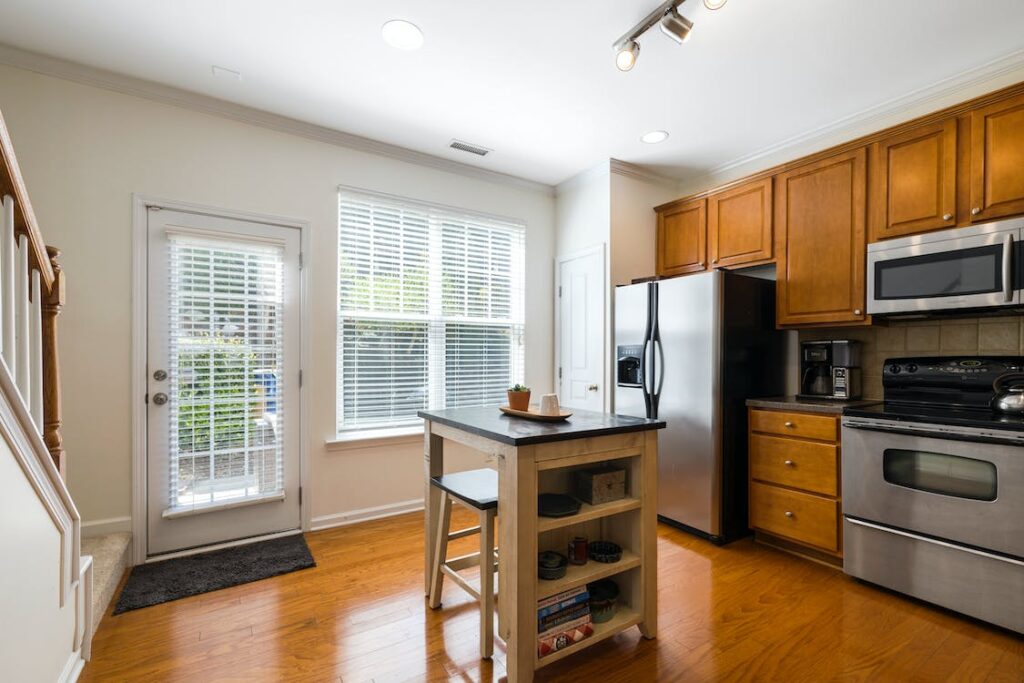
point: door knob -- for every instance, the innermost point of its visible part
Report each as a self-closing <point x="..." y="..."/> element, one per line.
<point x="592" y="387"/>
<point x="160" y="398"/>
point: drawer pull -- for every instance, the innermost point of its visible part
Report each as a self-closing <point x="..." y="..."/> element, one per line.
<point x="790" y="425"/>
<point x="789" y="514"/>
<point x="788" y="463"/>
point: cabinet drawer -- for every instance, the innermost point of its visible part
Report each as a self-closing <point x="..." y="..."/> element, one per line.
<point x="790" y="462"/>
<point x="803" y="425"/>
<point x="801" y="517"/>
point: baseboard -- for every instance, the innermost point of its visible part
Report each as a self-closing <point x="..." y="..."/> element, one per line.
<point x="72" y="669"/>
<point x="366" y="514"/>
<point x="102" y="527"/>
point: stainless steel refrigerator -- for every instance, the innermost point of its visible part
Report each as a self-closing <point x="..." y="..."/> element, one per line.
<point x="690" y="351"/>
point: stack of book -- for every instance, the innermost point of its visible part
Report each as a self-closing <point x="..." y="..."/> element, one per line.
<point x="563" y="619"/>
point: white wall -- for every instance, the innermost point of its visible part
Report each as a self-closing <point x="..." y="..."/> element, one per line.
<point x="85" y="150"/>
<point x="634" y="223"/>
<point x="36" y="633"/>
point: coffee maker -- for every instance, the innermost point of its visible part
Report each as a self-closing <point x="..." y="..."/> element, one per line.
<point x="830" y="369"/>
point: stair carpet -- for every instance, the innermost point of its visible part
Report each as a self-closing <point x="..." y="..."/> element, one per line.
<point x="111" y="557"/>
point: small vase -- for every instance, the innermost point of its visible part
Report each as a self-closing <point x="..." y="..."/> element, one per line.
<point x="519" y="400"/>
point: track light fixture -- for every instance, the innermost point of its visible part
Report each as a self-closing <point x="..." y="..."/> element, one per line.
<point x="672" y="24"/>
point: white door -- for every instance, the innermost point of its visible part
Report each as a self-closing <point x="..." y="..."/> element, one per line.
<point x="581" y="290"/>
<point x="223" y="437"/>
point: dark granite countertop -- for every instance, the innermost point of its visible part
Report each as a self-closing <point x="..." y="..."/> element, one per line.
<point x="491" y="423"/>
<point x="825" y="406"/>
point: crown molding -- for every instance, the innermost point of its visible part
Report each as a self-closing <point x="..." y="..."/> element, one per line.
<point x="157" y="92"/>
<point x="625" y="168"/>
<point x="998" y="73"/>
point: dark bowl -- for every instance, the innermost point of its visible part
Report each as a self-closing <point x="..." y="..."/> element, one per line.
<point x="605" y="551"/>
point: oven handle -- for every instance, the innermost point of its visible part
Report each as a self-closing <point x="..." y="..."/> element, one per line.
<point x="965" y="434"/>
<point x="944" y="544"/>
<point x="1008" y="267"/>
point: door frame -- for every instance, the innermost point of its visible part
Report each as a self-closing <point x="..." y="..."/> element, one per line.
<point x="599" y="249"/>
<point x="141" y="203"/>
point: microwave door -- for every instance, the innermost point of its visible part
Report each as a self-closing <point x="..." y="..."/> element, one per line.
<point x="973" y="269"/>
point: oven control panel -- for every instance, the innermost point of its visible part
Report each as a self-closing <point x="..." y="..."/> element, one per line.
<point x="946" y="380"/>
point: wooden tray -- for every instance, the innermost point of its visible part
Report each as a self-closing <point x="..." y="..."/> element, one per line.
<point x="532" y="414"/>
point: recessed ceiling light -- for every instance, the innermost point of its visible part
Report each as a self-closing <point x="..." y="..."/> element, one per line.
<point x="401" y="34"/>
<point x="714" y="4"/>
<point x="654" y="137"/>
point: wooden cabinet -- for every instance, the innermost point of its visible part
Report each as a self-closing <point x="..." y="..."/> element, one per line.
<point x="914" y="181"/>
<point x="682" y="234"/>
<point x="821" y="241"/>
<point x="795" y="492"/>
<point x="740" y="224"/>
<point x="997" y="160"/>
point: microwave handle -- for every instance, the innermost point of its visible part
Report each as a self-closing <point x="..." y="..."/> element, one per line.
<point x="1008" y="268"/>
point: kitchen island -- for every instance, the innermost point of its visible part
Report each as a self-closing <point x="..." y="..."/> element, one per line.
<point x="540" y="457"/>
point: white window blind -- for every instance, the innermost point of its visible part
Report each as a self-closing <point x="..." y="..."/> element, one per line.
<point x="226" y="354"/>
<point x="430" y="309"/>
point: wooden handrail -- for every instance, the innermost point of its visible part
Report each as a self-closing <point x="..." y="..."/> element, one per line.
<point x="25" y="223"/>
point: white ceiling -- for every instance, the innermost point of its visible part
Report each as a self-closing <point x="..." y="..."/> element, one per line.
<point x="535" y="80"/>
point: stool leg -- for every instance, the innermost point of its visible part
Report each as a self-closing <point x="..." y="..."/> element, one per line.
<point x="444" y="516"/>
<point x="486" y="584"/>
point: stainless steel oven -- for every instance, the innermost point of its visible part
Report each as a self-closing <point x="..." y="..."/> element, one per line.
<point x="937" y="511"/>
<point x="976" y="267"/>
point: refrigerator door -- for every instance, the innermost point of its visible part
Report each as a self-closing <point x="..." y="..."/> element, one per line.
<point x="631" y="327"/>
<point x="689" y="449"/>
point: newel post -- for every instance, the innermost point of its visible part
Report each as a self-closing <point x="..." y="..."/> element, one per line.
<point x="52" y="304"/>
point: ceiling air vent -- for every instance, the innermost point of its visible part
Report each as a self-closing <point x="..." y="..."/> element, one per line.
<point x="469" y="147"/>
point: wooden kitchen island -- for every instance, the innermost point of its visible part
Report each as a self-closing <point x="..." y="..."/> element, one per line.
<point x="538" y="457"/>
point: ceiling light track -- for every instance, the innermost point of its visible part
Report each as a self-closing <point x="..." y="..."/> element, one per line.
<point x="672" y="24"/>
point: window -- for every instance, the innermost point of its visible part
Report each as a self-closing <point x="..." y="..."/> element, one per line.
<point x="430" y="309"/>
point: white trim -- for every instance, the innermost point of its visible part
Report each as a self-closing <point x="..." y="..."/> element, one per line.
<point x="72" y="668"/>
<point x="102" y="527"/>
<point x="993" y="75"/>
<point x="173" y="513"/>
<point x="625" y="168"/>
<point x="140" y="204"/>
<point x="366" y="514"/>
<point x="129" y="85"/>
<point x="600" y="249"/>
<point x="374" y="438"/>
<point x="219" y="546"/>
<point x="457" y="211"/>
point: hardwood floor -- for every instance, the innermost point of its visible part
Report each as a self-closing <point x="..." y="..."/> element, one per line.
<point x="745" y="612"/>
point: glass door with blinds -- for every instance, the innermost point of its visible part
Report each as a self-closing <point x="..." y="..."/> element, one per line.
<point x="223" y="380"/>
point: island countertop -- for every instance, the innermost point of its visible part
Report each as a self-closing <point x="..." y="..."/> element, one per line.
<point x="491" y="423"/>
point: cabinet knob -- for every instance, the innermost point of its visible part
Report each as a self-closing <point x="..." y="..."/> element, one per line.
<point x="975" y="211"/>
<point x="788" y="463"/>
<point x="947" y="216"/>
<point x="856" y="311"/>
<point x="789" y="514"/>
<point x="790" y="425"/>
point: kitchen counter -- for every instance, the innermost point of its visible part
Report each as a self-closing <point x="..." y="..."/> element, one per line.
<point x="539" y="457"/>
<point x="824" y="406"/>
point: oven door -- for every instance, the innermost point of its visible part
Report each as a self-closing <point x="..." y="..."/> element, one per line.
<point x="943" y="485"/>
<point x="963" y="268"/>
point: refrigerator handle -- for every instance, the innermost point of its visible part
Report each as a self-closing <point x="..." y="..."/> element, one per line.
<point x="661" y="367"/>
<point x="644" y="377"/>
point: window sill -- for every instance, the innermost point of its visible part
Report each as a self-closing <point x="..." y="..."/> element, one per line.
<point x="372" y="438"/>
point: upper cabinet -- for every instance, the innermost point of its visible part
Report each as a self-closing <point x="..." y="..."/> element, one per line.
<point x="997" y="160"/>
<point x="821" y="241"/>
<point x="740" y="224"/>
<point x="914" y="181"/>
<point x="682" y="232"/>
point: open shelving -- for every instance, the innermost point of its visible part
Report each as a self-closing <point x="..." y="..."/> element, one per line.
<point x="578" y="575"/>
<point x="624" y="618"/>
<point x="587" y="513"/>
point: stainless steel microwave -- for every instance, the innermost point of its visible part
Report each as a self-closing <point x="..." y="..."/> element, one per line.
<point x="977" y="267"/>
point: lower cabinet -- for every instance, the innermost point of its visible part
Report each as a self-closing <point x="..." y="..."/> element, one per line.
<point x="795" y="492"/>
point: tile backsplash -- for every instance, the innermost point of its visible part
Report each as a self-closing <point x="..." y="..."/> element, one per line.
<point x="1002" y="336"/>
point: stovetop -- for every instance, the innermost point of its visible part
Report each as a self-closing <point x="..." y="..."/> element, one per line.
<point x="951" y="390"/>
<point x="964" y="417"/>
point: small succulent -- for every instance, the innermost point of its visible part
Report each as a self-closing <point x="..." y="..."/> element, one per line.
<point x="519" y="387"/>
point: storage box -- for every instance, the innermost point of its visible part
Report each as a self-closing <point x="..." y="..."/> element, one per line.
<point x="600" y="485"/>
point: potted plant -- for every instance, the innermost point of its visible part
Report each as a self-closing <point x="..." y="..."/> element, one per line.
<point x="519" y="397"/>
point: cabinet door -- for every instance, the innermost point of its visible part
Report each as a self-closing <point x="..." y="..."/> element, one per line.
<point x="821" y="241"/>
<point x="740" y="224"/>
<point x="997" y="160"/>
<point x="914" y="181"/>
<point x="682" y="231"/>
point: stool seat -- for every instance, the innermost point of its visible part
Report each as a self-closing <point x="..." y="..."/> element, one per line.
<point x="476" y="488"/>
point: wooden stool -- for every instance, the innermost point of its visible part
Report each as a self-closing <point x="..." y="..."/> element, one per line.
<point x="478" y="490"/>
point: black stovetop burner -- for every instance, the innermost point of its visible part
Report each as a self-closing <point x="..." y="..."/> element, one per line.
<point x="947" y="390"/>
